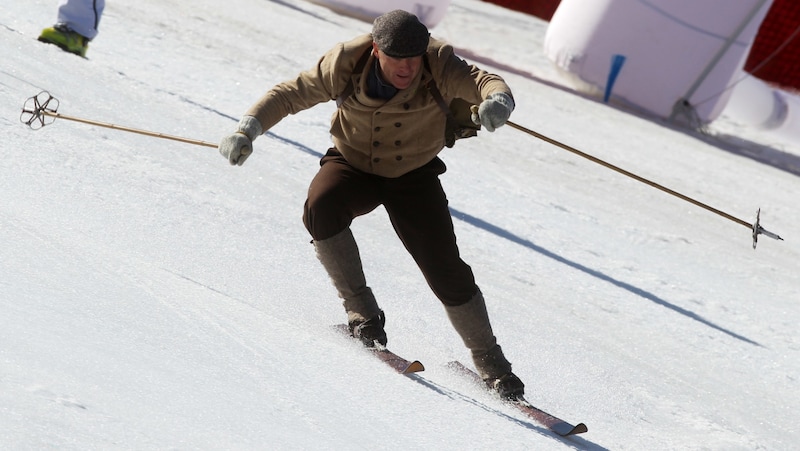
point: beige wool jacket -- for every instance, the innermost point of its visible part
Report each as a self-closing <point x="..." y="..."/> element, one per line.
<point x="385" y="138"/>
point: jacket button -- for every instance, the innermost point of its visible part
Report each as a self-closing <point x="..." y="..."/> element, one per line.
<point x="376" y="160"/>
<point x="376" y="143"/>
<point x="398" y="158"/>
<point x="398" y="124"/>
<point x="397" y="143"/>
<point x="377" y="129"/>
<point x="406" y="106"/>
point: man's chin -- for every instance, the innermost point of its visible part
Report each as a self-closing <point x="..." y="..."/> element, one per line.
<point x="402" y="84"/>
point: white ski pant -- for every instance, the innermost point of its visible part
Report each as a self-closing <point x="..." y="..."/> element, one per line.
<point x="83" y="16"/>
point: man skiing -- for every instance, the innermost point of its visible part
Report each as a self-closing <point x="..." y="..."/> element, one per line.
<point x="393" y="88"/>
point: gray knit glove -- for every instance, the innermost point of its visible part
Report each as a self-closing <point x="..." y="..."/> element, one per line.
<point x="237" y="146"/>
<point x="494" y="111"/>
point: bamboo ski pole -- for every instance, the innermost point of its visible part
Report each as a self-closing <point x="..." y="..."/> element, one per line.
<point x="132" y="130"/>
<point x="630" y="174"/>
<point x="755" y="227"/>
<point x="37" y="108"/>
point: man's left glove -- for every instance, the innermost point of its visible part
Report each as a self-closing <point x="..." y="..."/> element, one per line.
<point x="237" y="146"/>
<point x="494" y="111"/>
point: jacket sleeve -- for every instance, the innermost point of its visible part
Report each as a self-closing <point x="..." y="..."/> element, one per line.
<point x="458" y="79"/>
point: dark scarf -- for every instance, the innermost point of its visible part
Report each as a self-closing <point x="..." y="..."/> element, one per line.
<point x="376" y="87"/>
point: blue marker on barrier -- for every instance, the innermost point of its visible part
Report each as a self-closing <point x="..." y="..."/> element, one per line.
<point x="616" y="66"/>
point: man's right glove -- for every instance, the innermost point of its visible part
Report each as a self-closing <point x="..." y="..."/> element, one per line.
<point x="494" y="111"/>
<point x="237" y="146"/>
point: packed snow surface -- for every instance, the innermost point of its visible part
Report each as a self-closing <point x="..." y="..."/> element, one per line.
<point x="154" y="297"/>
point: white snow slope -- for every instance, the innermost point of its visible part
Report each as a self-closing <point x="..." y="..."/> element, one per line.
<point x="154" y="297"/>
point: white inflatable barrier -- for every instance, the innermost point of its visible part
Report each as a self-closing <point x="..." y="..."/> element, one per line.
<point x="429" y="12"/>
<point x="755" y="103"/>
<point x="673" y="59"/>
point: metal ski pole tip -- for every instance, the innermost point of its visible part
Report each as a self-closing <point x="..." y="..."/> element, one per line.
<point x="758" y="230"/>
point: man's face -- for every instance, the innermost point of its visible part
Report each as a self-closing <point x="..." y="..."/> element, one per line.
<point x="400" y="72"/>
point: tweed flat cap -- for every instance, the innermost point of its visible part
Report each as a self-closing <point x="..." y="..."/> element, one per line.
<point x="400" y="34"/>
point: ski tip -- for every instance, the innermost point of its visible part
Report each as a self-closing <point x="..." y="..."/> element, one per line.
<point x="565" y="429"/>
<point x="414" y="367"/>
<point x="580" y="428"/>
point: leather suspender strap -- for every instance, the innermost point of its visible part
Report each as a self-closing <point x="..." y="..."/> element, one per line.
<point x="348" y="90"/>
<point x="437" y="96"/>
